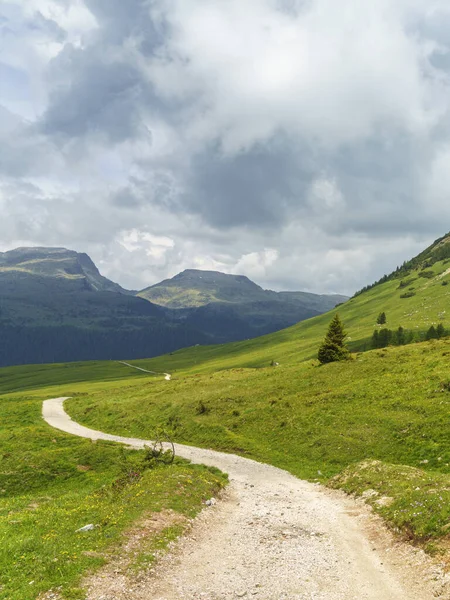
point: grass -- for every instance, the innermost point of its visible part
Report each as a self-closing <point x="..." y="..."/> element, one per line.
<point x="290" y="346"/>
<point x="412" y="500"/>
<point x="388" y="405"/>
<point x="378" y="422"/>
<point x="51" y="484"/>
<point x="179" y="297"/>
<point x="31" y="377"/>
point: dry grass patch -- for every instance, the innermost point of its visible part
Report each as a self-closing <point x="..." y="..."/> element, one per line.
<point x="124" y="566"/>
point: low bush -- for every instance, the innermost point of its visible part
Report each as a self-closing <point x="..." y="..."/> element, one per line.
<point x="406" y="282"/>
<point x="427" y="274"/>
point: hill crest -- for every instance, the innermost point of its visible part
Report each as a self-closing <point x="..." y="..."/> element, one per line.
<point x="58" y="263"/>
<point x="193" y="288"/>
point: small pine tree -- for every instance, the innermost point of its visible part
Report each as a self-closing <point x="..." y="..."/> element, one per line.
<point x="431" y="333"/>
<point x="384" y="338"/>
<point x="333" y="348"/>
<point x="381" y="319"/>
<point x="440" y="331"/>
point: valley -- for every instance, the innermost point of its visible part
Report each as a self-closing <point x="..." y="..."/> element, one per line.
<point x="224" y="322"/>
<point x="55" y="306"/>
<point x="375" y="426"/>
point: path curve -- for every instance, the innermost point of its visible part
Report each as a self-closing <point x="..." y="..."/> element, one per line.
<point x="274" y="537"/>
<point x="167" y="376"/>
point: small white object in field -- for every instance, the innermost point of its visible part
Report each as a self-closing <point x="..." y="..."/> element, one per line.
<point x="89" y="527"/>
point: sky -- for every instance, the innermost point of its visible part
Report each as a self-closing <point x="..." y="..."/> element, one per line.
<point x="303" y="143"/>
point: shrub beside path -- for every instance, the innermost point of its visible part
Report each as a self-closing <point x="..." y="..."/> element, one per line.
<point x="272" y="537"/>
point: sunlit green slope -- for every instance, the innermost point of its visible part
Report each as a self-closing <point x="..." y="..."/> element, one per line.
<point x="378" y="422"/>
<point x="427" y="303"/>
<point x="413" y="298"/>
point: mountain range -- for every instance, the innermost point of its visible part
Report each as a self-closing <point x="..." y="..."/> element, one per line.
<point x="193" y="288"/>
<point x="56" y="306"/>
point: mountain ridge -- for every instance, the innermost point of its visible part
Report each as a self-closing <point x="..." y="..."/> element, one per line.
<point x="437" y="251"/>
<point x="56" y="306"/>
<point x="57" y="263"/>
<point x="195" y="288"/>
<point x="414" y="300"/>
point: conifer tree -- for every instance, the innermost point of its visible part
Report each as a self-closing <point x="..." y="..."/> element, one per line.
<point x="384" y="337"/>
<point x="400" y="336"/>
<point x="375" y="337"/>
<point x="333" y="348"/>
<point x="431" y="333"/>
<point x="381" y="319"/>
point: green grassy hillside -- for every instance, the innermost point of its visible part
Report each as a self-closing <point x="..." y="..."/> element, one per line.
<point x="376" y="425"/>
<point x="389" y="406"/>
<point x="52" y="484"/>
<point x="379" y="421"/>
<point x="295" y="414"/>
<point x="428" y="303"/>
<point x="32" y="377"/>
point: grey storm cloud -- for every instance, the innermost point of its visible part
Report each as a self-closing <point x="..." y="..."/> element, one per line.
<point x="262" y="187"/>
<point x="254" y="137"/>
<point x="97" y="96"/>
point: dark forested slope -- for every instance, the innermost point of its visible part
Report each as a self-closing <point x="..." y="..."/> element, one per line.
<point x="55" y="306"/>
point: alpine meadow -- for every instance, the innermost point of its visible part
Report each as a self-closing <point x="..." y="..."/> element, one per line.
<point x="376" y="421"/>
<point x="224" y="300"/>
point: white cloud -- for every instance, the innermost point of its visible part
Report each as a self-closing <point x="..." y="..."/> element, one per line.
<point x="256" y="264"/>
<point x="306" y="148"/>
<point x="326" y="195"/>
<point x="155" y="246"/>
<point x="336" y="72"/>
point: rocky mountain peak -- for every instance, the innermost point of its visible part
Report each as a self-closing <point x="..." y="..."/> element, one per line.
<point x="56" y="263"/>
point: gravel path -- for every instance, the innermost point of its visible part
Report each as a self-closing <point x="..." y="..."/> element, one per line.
<point x="272" y="537"/>
<point x="167" y="376"/>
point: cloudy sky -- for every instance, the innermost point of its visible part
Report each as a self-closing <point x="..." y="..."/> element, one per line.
<point x="304" y="143"/>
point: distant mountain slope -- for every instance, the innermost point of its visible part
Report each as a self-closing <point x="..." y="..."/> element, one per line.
<point x="414" y="297"/>
<point x="318" y="302"/>
<point x="56" y="306"/>
<point x="56" y="263"/>
<point x="193" y="288"/>
<point x="232" y="307"/>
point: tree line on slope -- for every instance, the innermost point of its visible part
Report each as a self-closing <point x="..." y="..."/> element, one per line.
<point x="333" y="347"/>
<point x="401" y="337"/>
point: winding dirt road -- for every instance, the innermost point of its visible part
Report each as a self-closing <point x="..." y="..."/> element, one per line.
<point x="272" y="537"/>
